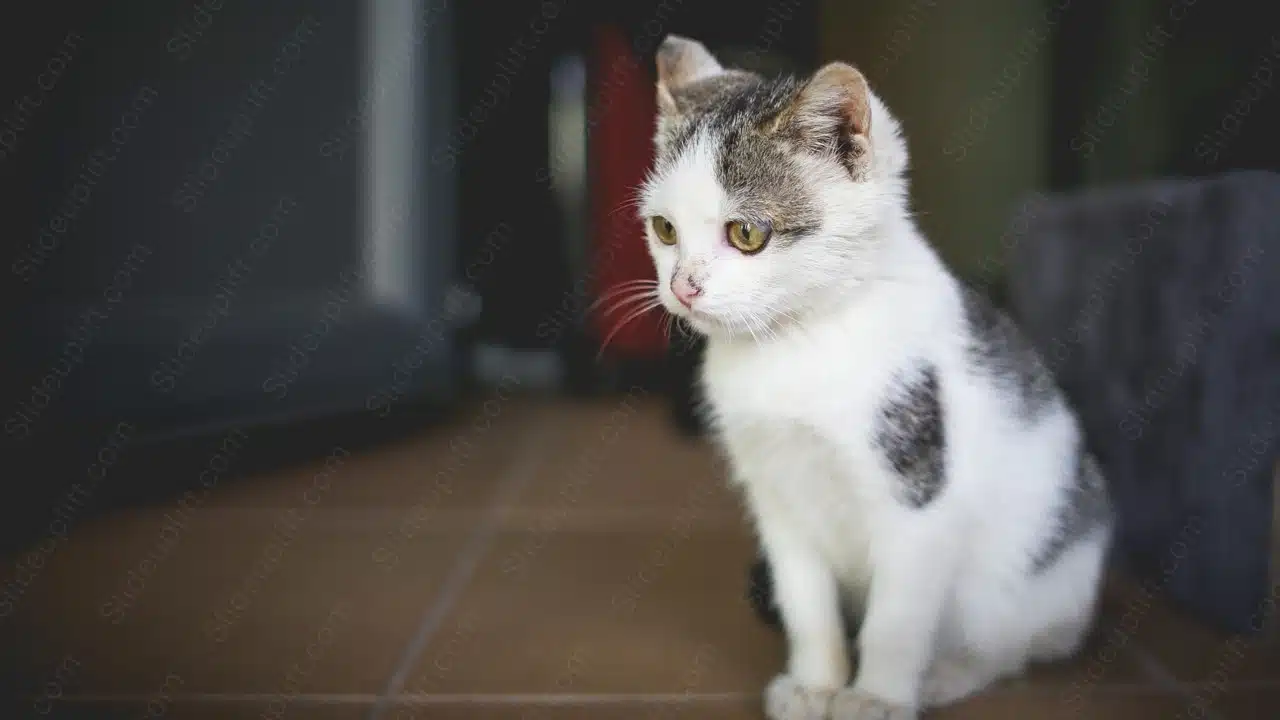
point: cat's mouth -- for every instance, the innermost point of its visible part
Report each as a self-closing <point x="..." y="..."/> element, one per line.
<point x="698" y="320"/>
<point x="704" y="323"/>
<point x="731" y="325"/>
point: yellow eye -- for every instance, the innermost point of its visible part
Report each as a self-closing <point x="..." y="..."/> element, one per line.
<point x="748" y="237"/>
<point x="663" y="228"/>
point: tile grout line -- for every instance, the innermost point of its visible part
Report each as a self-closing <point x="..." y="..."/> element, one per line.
<point x="671" y="698"/>
<point x="1165" y="678"/>
<point x="528" y="459"/>
<point x="577" y="699"/>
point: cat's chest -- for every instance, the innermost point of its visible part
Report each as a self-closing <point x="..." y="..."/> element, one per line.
<point x="797" y="424"/>
<point x="806" y="481"/>
<point x="822" y="387"/>
<point x="791" y="419"/>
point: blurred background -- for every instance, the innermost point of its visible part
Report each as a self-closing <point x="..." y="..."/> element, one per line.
<point x="307" y="409"/>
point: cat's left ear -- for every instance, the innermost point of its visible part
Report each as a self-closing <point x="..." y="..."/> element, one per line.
<point x="833" y="110"/>
<point x="681" y="61"/>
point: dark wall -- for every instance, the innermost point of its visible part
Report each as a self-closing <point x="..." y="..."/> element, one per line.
<point x="1198" y="95"/>
<point x="181" y="223"/>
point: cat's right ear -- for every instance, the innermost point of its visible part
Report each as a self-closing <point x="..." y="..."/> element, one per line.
<point x="681" y="61"/>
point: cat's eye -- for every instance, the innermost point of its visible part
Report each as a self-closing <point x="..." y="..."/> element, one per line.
<point x="663" y="228"/>
<point x="748" y="237"/>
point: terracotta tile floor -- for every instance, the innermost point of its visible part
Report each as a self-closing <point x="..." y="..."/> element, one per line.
<point x="560" y="560"/>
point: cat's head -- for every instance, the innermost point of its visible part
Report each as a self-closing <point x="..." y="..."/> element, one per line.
<point x="766" y="195"/>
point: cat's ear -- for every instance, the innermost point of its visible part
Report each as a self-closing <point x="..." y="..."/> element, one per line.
<point x="681" y="61"/>
<point x="833" y="111"/>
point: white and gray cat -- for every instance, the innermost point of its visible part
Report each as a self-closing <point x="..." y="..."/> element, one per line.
<point x="901" y="447"/>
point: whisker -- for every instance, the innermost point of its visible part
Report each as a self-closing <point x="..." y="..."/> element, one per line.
<point x="740" y="318"/>
<point x="629" y="301"/>
<point x="686" y="336"/>
<point x="628" y="204"/>
<point x="626" y="320"/>
<point x="630" y="286"/>
<point x="686" y="332"/>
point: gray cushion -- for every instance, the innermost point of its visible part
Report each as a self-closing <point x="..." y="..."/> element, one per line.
<point x="1158" y="307"/>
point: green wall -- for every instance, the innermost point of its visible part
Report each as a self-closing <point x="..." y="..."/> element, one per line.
<point x="969" y="81"/>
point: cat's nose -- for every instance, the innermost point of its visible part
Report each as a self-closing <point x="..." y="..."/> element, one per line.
<point x="685" y="290"/>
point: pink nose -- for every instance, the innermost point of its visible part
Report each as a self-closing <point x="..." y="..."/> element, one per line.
<point x="684" y="290"/>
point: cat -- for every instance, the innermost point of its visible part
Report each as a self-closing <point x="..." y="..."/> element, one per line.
<point x="900" y="446"/>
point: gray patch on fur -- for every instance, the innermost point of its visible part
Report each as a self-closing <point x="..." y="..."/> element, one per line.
<point x="698" y="107"/>
<point x="911" y="433"/>
<point x="999" y="350"/>
<point x="1084" y="508"/>
<point x="757" y="166"/>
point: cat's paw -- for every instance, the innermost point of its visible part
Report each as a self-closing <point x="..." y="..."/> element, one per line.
<point x="851" y="704"/>
<point x="950" y="681"/>
<point x="787" y="699"/>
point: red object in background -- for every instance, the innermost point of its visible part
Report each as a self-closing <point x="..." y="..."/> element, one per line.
<point x="621" y="150"/>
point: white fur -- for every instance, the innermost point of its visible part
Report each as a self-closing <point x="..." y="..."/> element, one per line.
<point x="804" y="342"/>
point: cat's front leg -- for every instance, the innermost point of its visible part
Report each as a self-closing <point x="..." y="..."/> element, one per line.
<point x="808" y="598"/>
<point x="904" y="609"/>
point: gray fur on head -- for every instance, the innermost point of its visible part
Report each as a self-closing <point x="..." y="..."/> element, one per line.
<point x="829" y="114"/>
